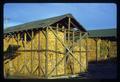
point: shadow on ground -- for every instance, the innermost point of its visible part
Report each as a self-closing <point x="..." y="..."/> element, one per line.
<point x="104" y="69"/>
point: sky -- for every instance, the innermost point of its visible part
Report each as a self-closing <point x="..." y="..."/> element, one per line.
<point x="89" y="15"/>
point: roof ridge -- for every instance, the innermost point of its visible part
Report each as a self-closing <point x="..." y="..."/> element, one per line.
<point x="103" y="29"/>
<point x="68" y="15"/>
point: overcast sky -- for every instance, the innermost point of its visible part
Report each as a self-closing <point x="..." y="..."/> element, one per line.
<point x="89" y="15"/>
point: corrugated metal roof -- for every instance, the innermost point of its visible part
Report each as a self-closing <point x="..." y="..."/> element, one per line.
<point x="39" y="24"/>
<point x="103" y="33"/>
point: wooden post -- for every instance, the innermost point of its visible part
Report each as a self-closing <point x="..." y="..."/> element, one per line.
<point x="87" y="52"/>
<point x="10" y="61"/>
<point x="18" y="45"/>
<point x="69" y="20"/>
<point x="31" y="52"/>
<point x="56" y="47"/>
<point x="68" y="31"/>
<point x="25" y="49"/>
<point x="80" y="51"/>
<point x="46" y="55"/>
<point x="73" y="50"/>
<point x="96" y="51"/>
<point x="65" y="52"/>
<point x="108" y="47"/>
<point x="39" y="53"/>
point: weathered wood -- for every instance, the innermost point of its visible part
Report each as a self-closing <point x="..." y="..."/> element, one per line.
<point x="46" y="54"/>
<point x="56" y="46"/>
<point x="74" y="24"/>
<point x="25" y="49"/>
<point x="96" y="51"/>
<point x="87" y="52"/>
<point x="73" y="38"/>
<point x="39" y="54"/>
<point x="18" y="57"/>
<point x="31" y="51"/>
<point x="80" y="51"/>
<point x="65" y="52"/>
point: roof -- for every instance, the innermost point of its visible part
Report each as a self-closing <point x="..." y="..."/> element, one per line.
<point x="39" y="24"/>
<point x="103" y="33"/>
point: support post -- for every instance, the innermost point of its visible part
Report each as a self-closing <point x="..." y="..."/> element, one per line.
<point x="32" y="52"/>
<point x="73" y="39"/>
<point x="96" y="51"/>
<point x="56" y="47"/>
<point x="46" y="55"/>
<point x="80" y="51"/>
<point x="38" y="53"/>
<point x="86" y="52"/>
<point x="25" y="49"/>
<point x="65" y="52"/>
<point x="18" y="45"/>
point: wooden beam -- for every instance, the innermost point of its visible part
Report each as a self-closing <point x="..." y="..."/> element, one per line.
<point x="39" y="54"/>
<point x="32" y="52"/>
<point x="46" y="54"/>
<point x="73" y="39"/>
<point x="24" y="49"/>
<point x="18" y="56"/>
<point x="96" y="50"/>
<point x="65" y="52"/>
<point x="80" y="51"/>
<point x="87" y="52"/>
<point x="56" y="45"/>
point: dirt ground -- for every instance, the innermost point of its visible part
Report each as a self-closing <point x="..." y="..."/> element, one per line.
<point x="100" y="71"/>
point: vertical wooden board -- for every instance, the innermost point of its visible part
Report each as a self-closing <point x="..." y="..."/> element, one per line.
<point x="60" y="67"/>
<point x="83" y="62"/>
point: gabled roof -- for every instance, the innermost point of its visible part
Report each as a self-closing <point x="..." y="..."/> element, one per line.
<point x="103" y="33"/>
<point x="39" y="24"/>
